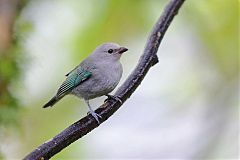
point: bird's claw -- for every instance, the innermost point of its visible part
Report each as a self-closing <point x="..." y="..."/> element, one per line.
<point x="95" y="116"/>
<point x="117" y="98"/>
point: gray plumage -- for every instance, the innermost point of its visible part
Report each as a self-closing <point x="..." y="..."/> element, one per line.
<point x="96" y="76"/>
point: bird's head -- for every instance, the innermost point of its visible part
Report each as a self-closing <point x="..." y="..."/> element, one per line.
<point x="109" y="51"/>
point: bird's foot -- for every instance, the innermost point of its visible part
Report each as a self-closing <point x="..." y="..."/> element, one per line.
<point x="117" y="98"/>
<point x="95" y="115"/>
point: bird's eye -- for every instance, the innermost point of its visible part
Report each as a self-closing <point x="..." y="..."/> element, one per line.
<point x="110" y="51"/>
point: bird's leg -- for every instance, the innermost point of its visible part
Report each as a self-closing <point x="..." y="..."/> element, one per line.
<point x="91" y="111"/>
<point x="117" y="98"/>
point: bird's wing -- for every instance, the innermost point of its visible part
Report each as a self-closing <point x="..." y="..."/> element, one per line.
<point x="74" y="78"/>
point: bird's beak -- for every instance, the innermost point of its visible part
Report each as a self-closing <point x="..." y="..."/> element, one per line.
<point x="122" y="50"/>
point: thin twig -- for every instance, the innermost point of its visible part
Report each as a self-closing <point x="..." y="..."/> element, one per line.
<point x="88" y="123"/>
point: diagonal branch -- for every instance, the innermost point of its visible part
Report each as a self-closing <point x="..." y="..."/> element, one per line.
<point x="88" y="123"/>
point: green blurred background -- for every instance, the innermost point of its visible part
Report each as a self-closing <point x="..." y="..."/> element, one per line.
<point x="187" y="106"/>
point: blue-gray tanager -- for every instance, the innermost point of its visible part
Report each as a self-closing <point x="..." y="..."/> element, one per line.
<point x="95" y="76"/>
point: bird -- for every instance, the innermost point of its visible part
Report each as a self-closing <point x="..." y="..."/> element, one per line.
<point x="95" y="76"/>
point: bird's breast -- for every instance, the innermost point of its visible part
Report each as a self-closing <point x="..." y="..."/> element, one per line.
<point x="110" y="74"/>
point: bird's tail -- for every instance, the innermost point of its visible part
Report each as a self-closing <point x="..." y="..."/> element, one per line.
<point x="51" y="102"/>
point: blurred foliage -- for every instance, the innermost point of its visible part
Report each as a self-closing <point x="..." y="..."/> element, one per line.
<point x="216" y="21"/>
<point x="10" y="70"/>
<point x="110" y="21"/>
<point x="10" y="59"/>
<point x="9" y="73"/>
<point x="11" y="56"/>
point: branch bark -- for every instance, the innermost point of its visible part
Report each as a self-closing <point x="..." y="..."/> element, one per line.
<point x="88" y="123"/>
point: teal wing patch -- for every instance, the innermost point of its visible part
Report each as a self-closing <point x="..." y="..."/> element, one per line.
<point x="73" y="79"/>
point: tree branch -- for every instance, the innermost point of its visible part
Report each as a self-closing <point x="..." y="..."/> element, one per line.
<point x="88" y="123"/>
